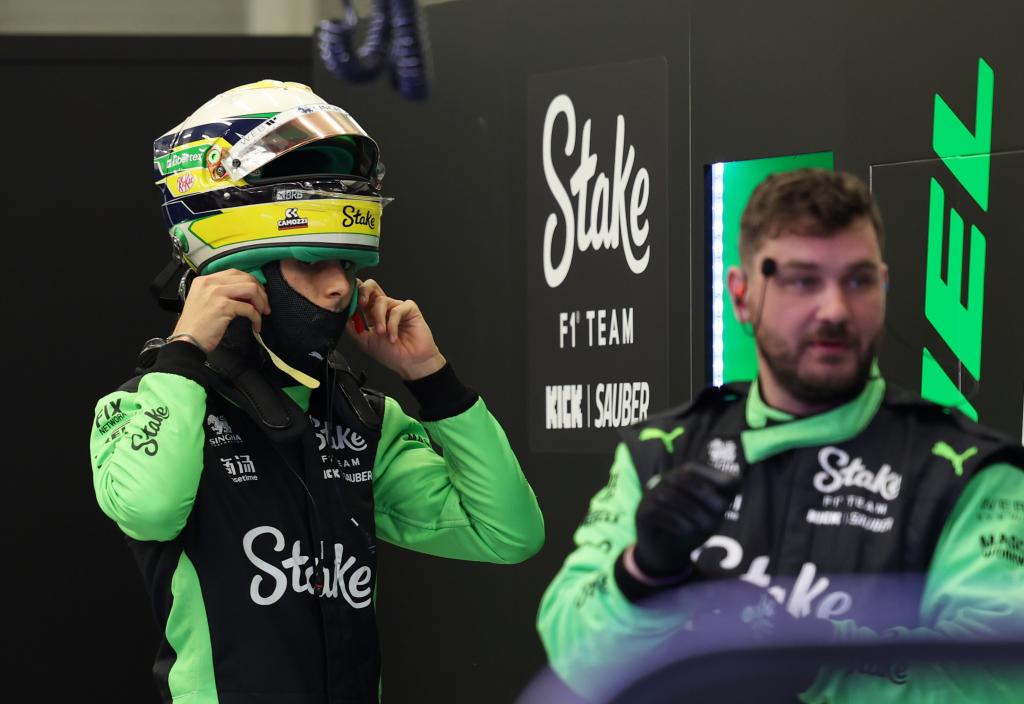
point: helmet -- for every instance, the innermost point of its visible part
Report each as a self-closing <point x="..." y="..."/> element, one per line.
<point x="268" y="171"/>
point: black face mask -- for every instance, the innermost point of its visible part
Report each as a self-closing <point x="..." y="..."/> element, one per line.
<point x="297" y="330"/>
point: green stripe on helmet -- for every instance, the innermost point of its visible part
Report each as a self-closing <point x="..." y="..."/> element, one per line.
<point x="252" y="260"/>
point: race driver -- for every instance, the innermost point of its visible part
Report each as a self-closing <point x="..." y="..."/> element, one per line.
<point x="250" y="471"/>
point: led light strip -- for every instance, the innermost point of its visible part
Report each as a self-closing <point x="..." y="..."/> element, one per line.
<point x="717" y="275"/>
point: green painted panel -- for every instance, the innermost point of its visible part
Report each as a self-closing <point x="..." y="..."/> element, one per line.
<point x="739" y="178"/>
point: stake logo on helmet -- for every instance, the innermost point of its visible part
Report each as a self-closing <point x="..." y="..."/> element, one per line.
<point x="269" y="171"/>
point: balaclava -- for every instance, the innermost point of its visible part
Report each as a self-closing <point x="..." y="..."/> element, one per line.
<point x="299" y="331"/>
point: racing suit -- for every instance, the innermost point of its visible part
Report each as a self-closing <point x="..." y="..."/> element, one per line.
<point x="884" y="484"/>
<point x="260" y="556"/>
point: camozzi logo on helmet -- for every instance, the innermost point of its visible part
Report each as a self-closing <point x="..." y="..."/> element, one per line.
<point x="292" y="221"/>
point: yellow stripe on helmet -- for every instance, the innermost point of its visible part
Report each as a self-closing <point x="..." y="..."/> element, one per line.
<point x="303" y="218"/>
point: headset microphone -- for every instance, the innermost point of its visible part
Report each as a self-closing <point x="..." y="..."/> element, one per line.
<point x="768" y="269"/>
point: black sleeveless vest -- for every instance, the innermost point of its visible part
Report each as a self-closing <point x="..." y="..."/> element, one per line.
<point x="285" y="626"/>
<point x="873" y="504"/>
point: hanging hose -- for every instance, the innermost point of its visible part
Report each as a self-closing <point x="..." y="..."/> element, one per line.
<point x="409" y="50"/>
<point x="395" y="39"/>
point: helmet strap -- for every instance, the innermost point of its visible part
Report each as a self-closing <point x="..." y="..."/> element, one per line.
<point x="167" y="284"/>
<point x="351" y="388"/>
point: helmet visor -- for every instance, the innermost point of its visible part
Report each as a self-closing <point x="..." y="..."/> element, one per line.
<point x="294" y="128"/>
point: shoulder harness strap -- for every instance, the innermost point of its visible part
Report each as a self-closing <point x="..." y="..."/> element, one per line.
<point x="368" y="406"/>
<point x="270" y="407"/>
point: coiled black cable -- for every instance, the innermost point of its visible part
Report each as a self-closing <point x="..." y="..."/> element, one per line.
<point x="395" y="39"/>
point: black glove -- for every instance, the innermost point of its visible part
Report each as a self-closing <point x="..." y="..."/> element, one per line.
<point x="738" y="615"/>
<point x="678" y="514"/>
<point x="753" y="614"/>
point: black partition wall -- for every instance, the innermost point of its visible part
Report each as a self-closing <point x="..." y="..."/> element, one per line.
<point x="85" y="239"/>
<point x="551" y="219"/>
<point x="481" y="169"/>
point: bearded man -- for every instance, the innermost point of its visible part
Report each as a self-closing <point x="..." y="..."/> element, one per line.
<point x="816" y="470"/>
<point x="251" y="472"/>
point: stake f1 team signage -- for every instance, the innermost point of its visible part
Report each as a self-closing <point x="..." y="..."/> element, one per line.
<point x="598" y="252"/>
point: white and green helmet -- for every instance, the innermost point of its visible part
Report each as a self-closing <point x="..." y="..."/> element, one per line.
<point x="269" y="171"/>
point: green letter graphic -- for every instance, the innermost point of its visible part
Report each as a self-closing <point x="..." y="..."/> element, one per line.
<point x="953" y="141"/>
<point x="960" y="327"/>
<point x="968" y="156"/>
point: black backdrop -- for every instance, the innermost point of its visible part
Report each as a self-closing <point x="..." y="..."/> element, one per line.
<point x="745" y="79"/>
<point x="86" y="237"/>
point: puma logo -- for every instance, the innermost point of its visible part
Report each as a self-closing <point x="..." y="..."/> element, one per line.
<point x="943" y="450"/>
<point x="667" y="438"/>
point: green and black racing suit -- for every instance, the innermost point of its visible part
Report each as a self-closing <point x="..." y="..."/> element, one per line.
<point x="260" y="557"/>
<point x="885" y="484"/>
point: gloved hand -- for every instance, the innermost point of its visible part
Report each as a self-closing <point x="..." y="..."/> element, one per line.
<point x="738" y="615"/>
<point x="752" y="613"/>
<point x="678" y="514"/>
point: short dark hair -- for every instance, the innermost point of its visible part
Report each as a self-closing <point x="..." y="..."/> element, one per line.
<point x="818" y="201"/>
